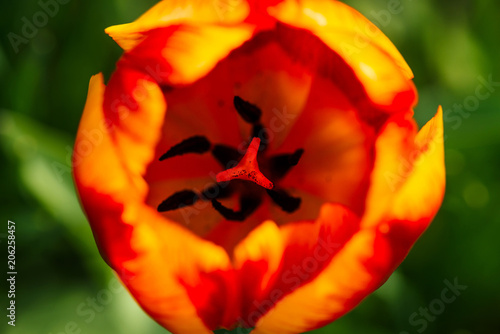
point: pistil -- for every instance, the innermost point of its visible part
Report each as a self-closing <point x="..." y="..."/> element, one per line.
<point x="247" y="169"/>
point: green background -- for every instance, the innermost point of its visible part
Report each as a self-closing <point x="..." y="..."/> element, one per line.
<point x="449" y="45"/>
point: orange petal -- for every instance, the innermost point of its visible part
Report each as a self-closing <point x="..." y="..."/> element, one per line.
<point x="408" y="179"/>
<point x="132" y="103"/>
<point x="391" y="167"/>
<point x="170" y="261"/>
<point x="271" y="271"/>
<point x="166" y="13"/>
<point x="182" y="54"/>
<point x="135" y="240"/>
<point x="337" y="289"/>
<point x="373" y="253"/>
<point x="421" y="195"/>
<point x="257" y="260"/>
<point x="94" y="143"/>
<point x="376" y="62"/>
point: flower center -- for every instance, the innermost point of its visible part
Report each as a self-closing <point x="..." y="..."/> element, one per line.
<point x="242" y="174"/>
<point x="247" y="169"/>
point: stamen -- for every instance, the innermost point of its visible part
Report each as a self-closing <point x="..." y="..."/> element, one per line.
<point x="281" y="164"/>
<point x="226" y="155"/>
<point x="226" y="212"/>
<point x="178" y="200"/>
<point x="196" y="144"/>
<point x="249" y="112"/>
<point x="247" y="169"/>
<point x="217" y="190"/>
<point x="248" y="206"/>
<point x="286" y="202"/>
<point x="260" y="132"/>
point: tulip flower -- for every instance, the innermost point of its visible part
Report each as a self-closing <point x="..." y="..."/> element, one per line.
<point x="255" y="164"/>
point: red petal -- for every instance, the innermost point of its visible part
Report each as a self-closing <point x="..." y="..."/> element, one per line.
<point x="376" y="62"/>
<point x="275" y="262"/>
<point x="132" y="236"/>
<point x="393" y="222"/>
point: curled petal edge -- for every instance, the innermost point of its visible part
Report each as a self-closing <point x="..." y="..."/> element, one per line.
<point x="372" y="254"/>
<point x="166" y="13"/>
<point x="375" y="60"/>
<point x="131" y="236"/>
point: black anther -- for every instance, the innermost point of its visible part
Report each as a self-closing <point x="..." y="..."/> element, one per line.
<point x="178" y="200"/>
<point x="196" y="144"/>
<point x="249" y="112"/>
<point x="285" y="201"/>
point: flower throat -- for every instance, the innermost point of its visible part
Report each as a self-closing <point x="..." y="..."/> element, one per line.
<point x="251" y="175"/>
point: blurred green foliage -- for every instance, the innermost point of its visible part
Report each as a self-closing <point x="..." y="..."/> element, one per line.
<point x="450" y="46"/>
